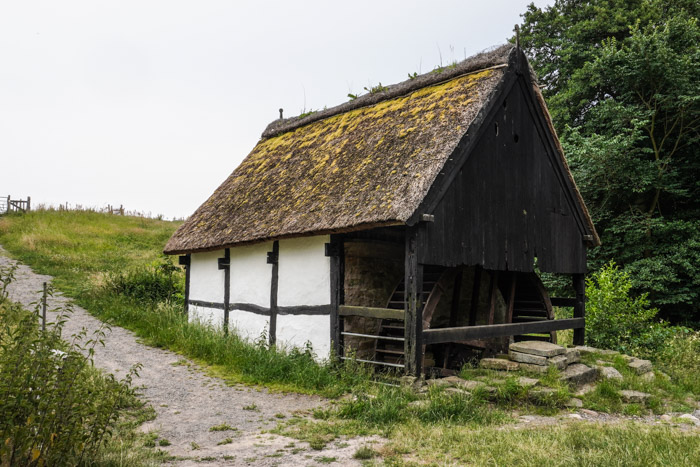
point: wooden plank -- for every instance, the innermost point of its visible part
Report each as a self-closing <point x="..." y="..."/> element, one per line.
<point x="464" y="333"/>
<point x="413" y="307"/>
<point x="273" y="257"/>
<point x="371" y="312"/>
<point x="579" y="284"/>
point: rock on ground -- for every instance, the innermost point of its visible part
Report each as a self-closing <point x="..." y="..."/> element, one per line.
<point x="541" y="348"/>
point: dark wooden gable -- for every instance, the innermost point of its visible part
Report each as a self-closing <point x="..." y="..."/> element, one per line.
<point x="508" y="199"/>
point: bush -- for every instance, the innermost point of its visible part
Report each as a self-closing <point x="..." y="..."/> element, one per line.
<point x="615" y="320"/>
<point x="159" y="281"/>
<point x="55" y="409"/>
<point x="680" y="358"/>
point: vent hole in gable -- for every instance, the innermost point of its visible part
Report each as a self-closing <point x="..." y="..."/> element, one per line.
<point x="515" y="137"/>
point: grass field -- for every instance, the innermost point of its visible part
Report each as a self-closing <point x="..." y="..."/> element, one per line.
<point x="112" y="266"/>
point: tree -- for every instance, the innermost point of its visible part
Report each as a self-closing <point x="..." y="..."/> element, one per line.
<point x="627" y="104"/>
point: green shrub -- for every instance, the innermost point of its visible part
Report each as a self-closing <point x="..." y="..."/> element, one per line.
<point x="616" y="320"/>
<point x="159" y="281"/>
<point x="55" y="408"/>
<point x="680" y="358"/>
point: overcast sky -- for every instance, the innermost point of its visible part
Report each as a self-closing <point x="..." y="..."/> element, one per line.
<point x="152" y="104"/>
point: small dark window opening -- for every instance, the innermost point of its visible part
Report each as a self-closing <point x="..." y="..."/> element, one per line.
<point x="515" y="137"/>
<point x="495" y="126"/>
<point x="505" y="103"/>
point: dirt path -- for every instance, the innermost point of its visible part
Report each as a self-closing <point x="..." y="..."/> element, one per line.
<point x="188" y="402"/>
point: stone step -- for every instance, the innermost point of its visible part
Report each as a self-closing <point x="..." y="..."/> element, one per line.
<point x="578" y="374"/>
<point x="539" y="348"/>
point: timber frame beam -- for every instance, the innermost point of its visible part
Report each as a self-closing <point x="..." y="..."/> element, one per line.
<point x="464" y="333"/>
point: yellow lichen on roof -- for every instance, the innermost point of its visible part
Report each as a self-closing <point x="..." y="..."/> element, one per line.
<point x="370" y="165"/>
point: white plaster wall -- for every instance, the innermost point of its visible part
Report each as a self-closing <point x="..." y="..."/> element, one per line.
<point x="248" y="325"/>
<point x="250" y="274"/>
<point x="204" y="315"/>
<point x="304" y="272"/>
<point x="296" y="330"/>
<point x="206" y="280"/>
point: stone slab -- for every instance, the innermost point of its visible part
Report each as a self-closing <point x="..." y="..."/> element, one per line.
<point x="543" y="349"/>
<point x="634" y="396"/>
<point x="609" y="372"/>
<point x="541" y="369"/>
<point x="558" y="362"/>
<point x="527" y="358"/>
<point x="640" y="366"/>
<point x="572" y="356"/>
<point x="528" y="382"/>
<point x="578" y="374"/>
<point x="499" y="364"/>
<point x="574" y="403"/>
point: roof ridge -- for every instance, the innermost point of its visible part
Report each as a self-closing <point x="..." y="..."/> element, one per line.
<point x="490" y="59"/>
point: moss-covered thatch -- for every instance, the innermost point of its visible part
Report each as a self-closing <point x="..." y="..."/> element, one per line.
<point x="369" y="162"/>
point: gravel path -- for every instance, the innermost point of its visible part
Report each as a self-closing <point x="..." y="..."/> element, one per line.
<point x="188" y="402"/>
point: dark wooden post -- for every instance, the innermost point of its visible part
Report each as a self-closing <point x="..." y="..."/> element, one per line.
<point x="476" y="288"/>
<point x="43" y="307"/>
<point x="273" y="259"/>
<point x="413" y="304"/>
<point x="29" y="203"/>
<point x="336" y="251"/>
<point x="580" y="306"/>
<point x="225" y="264"/>
<point x="185" y="261"/>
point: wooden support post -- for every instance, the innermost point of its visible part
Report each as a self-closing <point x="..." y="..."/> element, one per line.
<point x="273" y="258"/>
<point x="580" y="306"/>
<point x="454" y="310"/>
<point x="413" y="307"/>
<point x="29" y="203"/>
<point x="475" y="295"/>
<point x="336" y="251"/>
<point x="225" y="264"/>
<point x="492" y="296"/>
<point x="511" y="297"/>
<point x="43" y="307"/>
<point x="185" y="261"/>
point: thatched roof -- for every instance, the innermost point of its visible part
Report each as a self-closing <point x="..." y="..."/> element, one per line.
<point x="366" y="163"/>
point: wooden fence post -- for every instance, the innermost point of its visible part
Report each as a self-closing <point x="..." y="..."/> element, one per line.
<point x="43" y="309"/>
<point x="413" y="324"/>
<point x="29" y="203"/>
<point x="579" y="284"/>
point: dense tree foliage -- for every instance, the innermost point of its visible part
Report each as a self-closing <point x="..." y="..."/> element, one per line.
<point x="622" y="79"/>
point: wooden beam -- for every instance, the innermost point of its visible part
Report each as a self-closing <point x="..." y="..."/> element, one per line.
<point x="492" y="296"/>
<point x="227" y="285"/>
<point x="511" y="297"/>
<point x="336" y="251"/>
<point x="188" y="260"/>
<point x="413" y="307"/>
<point x="475" y="295"/>
<point x="464" y="333"/>
<point x="579" y="284"/>
<point x="371" y="312"/>
<point x="454" y="310"/>
<point x="273" y="258"/>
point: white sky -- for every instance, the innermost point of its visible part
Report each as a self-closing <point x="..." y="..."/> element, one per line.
<point x="152" y="104"/>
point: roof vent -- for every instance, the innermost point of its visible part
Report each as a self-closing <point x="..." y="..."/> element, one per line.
<point x="281" y="117"/>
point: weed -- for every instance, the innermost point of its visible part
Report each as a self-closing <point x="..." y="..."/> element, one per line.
<point x="164" y="442"/>
<point x="224" y="441"/>
<point x="326" y="459"/>
<point x="251" y="407"/>
<point x="222" y="427"/>
<point x="364" y="453"/>
<point x="194" y="446"/>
